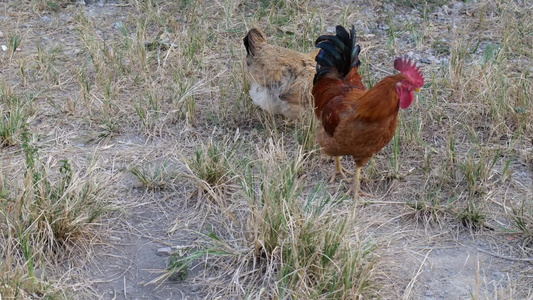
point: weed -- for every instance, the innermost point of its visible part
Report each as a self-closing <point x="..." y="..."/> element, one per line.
<point x="305" y="131"/>
<point x="441" y="47"/>
<point x="392" y="32"/>
<point x="54" y="213"/>
<point x="14" y="113"/>
<point x="214" y="165"/>
<point x="429" y="208"/>
<point x="178" y="270"/>
<point x="11" y="125"/>
<point x="154" y="177"/>
<point x="305" y="240"/>
<point x="46" y="59"/>
<point x="478" y="170"/>
<point x="522" y="217"/>
<point x="472" y="216"/>
<point x="42" y="217"/>
<point x="13" y="46"/>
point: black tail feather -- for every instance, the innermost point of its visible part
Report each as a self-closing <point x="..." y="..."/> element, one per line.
<point x="337" y="53"/>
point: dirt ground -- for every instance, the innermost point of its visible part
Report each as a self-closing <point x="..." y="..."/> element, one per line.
<point x="430" y="253"/>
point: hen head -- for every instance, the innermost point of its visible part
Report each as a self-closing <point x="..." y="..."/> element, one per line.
<point x="413" y="82"/>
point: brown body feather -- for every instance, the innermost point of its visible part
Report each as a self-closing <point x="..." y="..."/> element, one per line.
<point x="281" y="78"/>
<point x="355" y="121"/>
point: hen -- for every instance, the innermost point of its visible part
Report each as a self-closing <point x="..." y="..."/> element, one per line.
<point x="281" y="78"/>
<point x="356" y="121"/>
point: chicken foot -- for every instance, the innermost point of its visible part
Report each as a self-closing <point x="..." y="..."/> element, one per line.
<point x="339" y="170"/>
<point x="356" y="187"/>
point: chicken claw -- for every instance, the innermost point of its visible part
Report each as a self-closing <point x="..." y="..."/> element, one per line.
<point x="340" y="170"/>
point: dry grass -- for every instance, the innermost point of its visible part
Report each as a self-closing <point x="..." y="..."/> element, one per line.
<point x="100" y="98"/>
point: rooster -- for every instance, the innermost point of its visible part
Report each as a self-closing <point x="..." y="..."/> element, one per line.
<point x="356" y="121"/>
<point x="281" y="78"/>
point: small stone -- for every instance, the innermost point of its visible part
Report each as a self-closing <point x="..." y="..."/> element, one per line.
<point x="330" y="30"/>
<point x="81" y="144"/>
<point x="44" y="39"/>
<point x="117" y="25"/>
<point x="66" y="18"/>
<point x="46" y="19"/>
<point x="497" y="274"/>
<point x="1" y="34"/>
<point x="37" y="273"/>
<point x="425" y="61"/>
<point x="195" y="288"/>
<point x="164" y="251"/>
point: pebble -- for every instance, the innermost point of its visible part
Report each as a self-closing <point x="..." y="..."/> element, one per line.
<point x="46" y="19"/>
<point x="164" y="251"/>
<point x="458" y="5"/>
<point x="44" y="39"/>
<point x="498" y="275"/>
<point x="73" y="52"/>
<point x="1" y="34"/>
<point x="195" y="289"/>
<point x="37" y="273"/>
<point x="66" y="18"/>
<point x="384" y="27"/>
<point x="117" y="25"/>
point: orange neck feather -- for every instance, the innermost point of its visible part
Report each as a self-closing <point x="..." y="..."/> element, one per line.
<point x="382" y="100"/>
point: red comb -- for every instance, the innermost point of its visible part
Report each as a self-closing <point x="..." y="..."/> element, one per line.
<point x="409" y="69"/>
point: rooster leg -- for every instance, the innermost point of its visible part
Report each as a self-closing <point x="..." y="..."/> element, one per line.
<point x="339" y="170"/>
<point x="356" y="184"/>
<point x="356" y="187"/>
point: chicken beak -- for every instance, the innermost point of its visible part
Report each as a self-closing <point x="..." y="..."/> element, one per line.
<point x="417" y="90"/>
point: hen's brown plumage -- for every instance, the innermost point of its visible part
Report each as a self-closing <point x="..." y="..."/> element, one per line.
<point x="356" y="121"/>
<point x="281" y="78"/>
